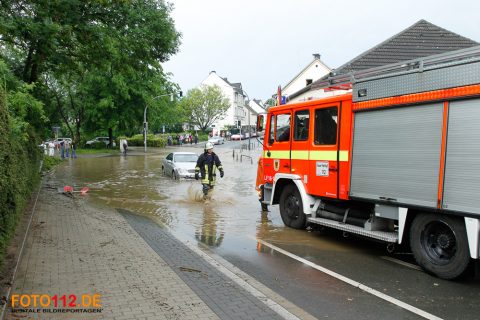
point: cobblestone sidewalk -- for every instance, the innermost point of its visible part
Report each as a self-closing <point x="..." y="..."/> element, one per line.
<point x="138" y="270"/>
<point x="75" y="249"/>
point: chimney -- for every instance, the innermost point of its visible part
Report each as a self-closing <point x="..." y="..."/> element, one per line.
<point x="316" y="56"/>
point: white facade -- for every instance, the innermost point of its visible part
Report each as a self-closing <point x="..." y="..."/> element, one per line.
<point x="237" y="112"/>
<point x="313" y="94"/>
<point x="312" y="72"/>
<point x="253" y="109"/>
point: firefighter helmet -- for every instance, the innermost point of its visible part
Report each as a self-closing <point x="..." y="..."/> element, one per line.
<point x="208" y="145"/>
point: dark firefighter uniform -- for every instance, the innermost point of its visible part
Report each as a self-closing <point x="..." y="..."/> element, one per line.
<point x="207" y="165"/>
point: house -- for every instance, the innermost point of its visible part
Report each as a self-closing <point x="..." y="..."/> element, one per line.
<point x="419" y="40"/>
<point x="254" y="107"/>
<point x="237" y="114"/>
<point x="315" y="70"/>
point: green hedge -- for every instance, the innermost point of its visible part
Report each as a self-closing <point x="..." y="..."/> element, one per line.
<point x="97" y="145"/>
<point x="19" y="174"/>
<point x="137" y="141"/>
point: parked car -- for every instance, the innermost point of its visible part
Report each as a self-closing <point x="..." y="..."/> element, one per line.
<point x="180" y="165"/>
<point x="216" y="140"/>
<point x="105" y="140"/>
<point x="237" y="136"/>
<point x="57" y="141"/>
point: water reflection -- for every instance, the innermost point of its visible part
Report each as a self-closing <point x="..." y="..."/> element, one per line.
<point x="208" y="233"/>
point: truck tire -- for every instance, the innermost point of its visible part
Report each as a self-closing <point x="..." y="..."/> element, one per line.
<point x="291" y="208"/>
<point x="440" y="245"/>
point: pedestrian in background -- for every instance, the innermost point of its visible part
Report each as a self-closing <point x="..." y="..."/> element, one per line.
<point x="125" y="146"/>
<point x="51" y="149"/>
<point x="196" y="138"/>
<point x="74" y="148"/>
<point x="67" y="149"/>
<point x="62" y="149"/>
<point x="45" y="147"/>
<point x="207" y="165"/>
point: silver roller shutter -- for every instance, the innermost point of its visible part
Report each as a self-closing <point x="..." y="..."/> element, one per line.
<point x="462" y="166"/>
<point x="396" y="154"/>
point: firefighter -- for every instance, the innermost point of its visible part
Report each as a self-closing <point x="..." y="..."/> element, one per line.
<point x="207" y="165"/>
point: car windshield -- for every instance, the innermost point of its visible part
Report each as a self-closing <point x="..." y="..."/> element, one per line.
<point x="186" y="158"/>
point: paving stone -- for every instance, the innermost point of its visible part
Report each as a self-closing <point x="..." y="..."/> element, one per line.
<point x="227" y="299"/>
<point x="73" y="248"/>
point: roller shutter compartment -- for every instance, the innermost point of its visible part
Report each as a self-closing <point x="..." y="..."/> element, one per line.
<point x="396" y="154"/>
<point x="462" y="163"/>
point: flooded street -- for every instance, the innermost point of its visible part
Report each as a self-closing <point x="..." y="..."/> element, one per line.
<point x="136" y="183"/>
<point x="231" y="222"/>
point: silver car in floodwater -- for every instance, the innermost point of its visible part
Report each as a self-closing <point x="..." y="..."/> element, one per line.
<point x="180" y="165"/>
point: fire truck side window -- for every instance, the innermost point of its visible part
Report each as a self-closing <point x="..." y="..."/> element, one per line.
<point x="282" y="132"/>
<point x="271" y="130"/>
<point x="326" y="126"/>
<point x="302" y="119"/>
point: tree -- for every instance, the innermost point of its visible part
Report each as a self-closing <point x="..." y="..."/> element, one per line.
<point x="98" y="59"/>
<point x="205" y="105"/>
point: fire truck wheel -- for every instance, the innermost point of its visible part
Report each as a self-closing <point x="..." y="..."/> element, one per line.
<point x="440" y="245"/>
<point x="291" y="208"/>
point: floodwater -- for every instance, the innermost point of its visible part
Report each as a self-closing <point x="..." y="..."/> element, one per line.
<point x="136" y="183"/>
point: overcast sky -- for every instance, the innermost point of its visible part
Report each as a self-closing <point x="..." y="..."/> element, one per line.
<point x="265" y="43"/>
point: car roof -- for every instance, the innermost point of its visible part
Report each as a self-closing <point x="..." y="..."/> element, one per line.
<point x="186" y="153"/>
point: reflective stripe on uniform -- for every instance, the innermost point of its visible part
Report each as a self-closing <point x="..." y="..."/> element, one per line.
<point x="205" y="178"/>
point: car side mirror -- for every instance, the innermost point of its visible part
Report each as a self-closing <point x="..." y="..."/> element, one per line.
<point x="260" y="122"/>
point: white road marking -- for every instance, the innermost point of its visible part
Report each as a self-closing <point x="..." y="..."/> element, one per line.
<point x="354" y="283"/>
<point x="403" y="263"/>
<point x="234" y="273"/>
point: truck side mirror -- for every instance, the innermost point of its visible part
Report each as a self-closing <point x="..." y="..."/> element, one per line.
<point x="260" y="122"/>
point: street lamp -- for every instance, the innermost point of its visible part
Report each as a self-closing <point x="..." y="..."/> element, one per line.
<point x="145" y="123"/>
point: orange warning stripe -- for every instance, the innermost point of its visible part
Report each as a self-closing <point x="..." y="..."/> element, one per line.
<point x="419" y="97"/>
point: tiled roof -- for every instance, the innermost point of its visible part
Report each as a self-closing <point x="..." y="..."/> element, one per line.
<point x="419" y="40"/>
<point x="236" y="86"/>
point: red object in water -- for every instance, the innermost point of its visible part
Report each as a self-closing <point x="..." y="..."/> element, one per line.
<point x="69" y="189"/>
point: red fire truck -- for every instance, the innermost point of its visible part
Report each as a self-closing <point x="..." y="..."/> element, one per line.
<point x="396" y="160"/>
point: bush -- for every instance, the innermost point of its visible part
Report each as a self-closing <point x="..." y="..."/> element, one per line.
<point x="50" y="162"/>
<point x="137" y="141"/>
<point x="203" y="136"/>
<point x="98" y="145"/>
<point x="19" y="173"/>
